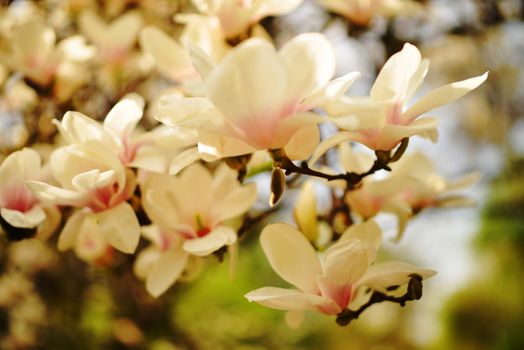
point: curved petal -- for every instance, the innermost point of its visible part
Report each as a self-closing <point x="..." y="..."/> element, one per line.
<point x="77" y="128"/>
<point x="145" y="261"/>
<point x="291" y="256"/>
<point x="391" y="273"/>
<point x="393" y="80"/>
<point x="215" y="146"/>
<point x="19" y="166"/>
<point x="213" y="241"/>
<point x="254" y="71"/>
<point x="166" y="271"/>
<point x="305" y="212"/>
<point x="368" y="233"/>
<point x="69" y="233"/>
<point x="303" y="142"/>
<point x="317" y="63"/>
<point x="332" y="91"/>
<point x="236" y="202"/>
<point x="28" y="219"/>
<point x="170" y="57"/>
<point x="345" y="262"/>
<point x="123" y="117"/>
<point x="184" y="159"/>
<point x="328" y="143"/>
<point x="443" y="95"/>
<point x="52" y="194"/>
<point x="120" y="226"/>
<point x="288" y="299"/>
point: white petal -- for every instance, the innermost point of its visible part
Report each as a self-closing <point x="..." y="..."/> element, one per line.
<point x="150" y="158"/>
<point x="202" y="62"/>
<point x="368" y="233"/>
<point x="145" y="261"/>
<point x="70" y="231"/>
<point x="78" y="128"/>
<point x="120" y="226"/>
<point x="28" y="219"/>
<point x="332" y="91"/>
<point x="123" y="117"/>
<point x="328" y="143"/>
<point x="291" y="256"/>
<point x="214" y="146"/>
<point x="19" y="166"/>
<point x="52" y="194"/>
<point x="170" y="57"/>
<point x="250" y="85"/>
<point x="346" y="262"/>
<point x="287" y="299"/>
<point x="166" y="271"/>
<point x="213" y="241"/>
<point x="184" y="159"/>
<point x="303" y="142"/>
<point x="236" y="202"/>
<point x="443" y="95"/>
<point x="93" y="179"/>
<point x="393" y="80"/>
<point x="316" y="67"/>
<point x="391" y="273"/>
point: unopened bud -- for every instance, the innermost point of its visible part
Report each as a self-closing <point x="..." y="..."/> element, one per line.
<point x="278" y="184"/>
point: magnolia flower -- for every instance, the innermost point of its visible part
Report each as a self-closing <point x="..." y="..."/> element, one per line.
<point x="117" y="134"/>
<point x="361" y="12"/>
<point x="382" y="120"/>
<point x="277" y="88"/>
<point x="115" y="40"/>
<point x="18" y="207"/>
<point x="327" y="283"/>
<point x="33" y="51"/>
<point x="192" y="212"/>
<point x="237" y="16"/>
<point x="428" y="188"/>
<point x="94" y="180"/>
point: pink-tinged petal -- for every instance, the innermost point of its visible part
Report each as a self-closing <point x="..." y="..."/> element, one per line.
<point x="289" y="299"/>
<point x="393" y="80"/>
<point x="171" y="58"/>
<point x="213" y="241"/>
<point x="330" y="92"/>
<point x="346" y="262"/>
<point x="236" y="202"/>
<point x="19" y="166"/>
<point x="289" y="126"/>
<point x="184" y="159"/>
<point x="69" y="233"/>
<point x="303" y="142"/>
<point x="214" y="146"/>
<point x="328" y="143"/>
<point x="368" y="233"/>
<point x="441" y="96"/>
<point x="291" y="256"/>
<point x="28" y="219"/>
<point x="120" y="226"/>
<point x="316" y="67"/>
<point x="241" y="88"/>
<point x="340" y="293"/>
<point x="90" y="243"/>
<point x="56" y="195"/>
<point x="166" y="270"/>
<point x="391" y="273"/>
<point x="123" y="117"/>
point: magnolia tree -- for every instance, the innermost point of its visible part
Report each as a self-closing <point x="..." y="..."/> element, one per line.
<point x="229" y="107"/>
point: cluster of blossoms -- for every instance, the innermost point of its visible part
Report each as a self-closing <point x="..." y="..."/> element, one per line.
<point x="237" y="107"/>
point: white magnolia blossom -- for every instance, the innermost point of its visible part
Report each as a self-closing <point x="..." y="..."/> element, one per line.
<point x="18" y="206"/>
<point x="327" y="283"/>
<point x="361" y="12"/>
<point x="118" y="134"/>
<point x="381" y="120"/>
<point x="33" y="51"/>
<point x="259" y="99"/>
<point x="95" y="181"/>
<point x="237" y="16"/>
<point x="115" y="40"/>
<point x="192" y="213"/>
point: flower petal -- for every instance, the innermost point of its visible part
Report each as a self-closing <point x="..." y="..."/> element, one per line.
<point x="391" y="273"/>
<point x="236" y="202"/>
<point x="123" y="117"/>
<point x="120" y="226"/>
<point x="303" y="142"/>
<point x="328" y="143"/>
<point x="166" y="271"/>
<point x="443" y="95"/>
<point x="69" y="233"/>
<point x="368" y="233"/>
<point x="213" y="241"/>
<point x="287" y="299"/>
<point x="291" y="256"/>
<point x="28" y="219"/>
<point x="184" y="159"/>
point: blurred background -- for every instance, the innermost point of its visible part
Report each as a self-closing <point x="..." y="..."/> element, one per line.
<point x="55" y="301"/>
